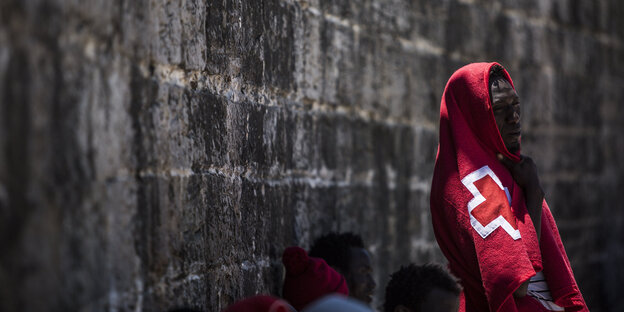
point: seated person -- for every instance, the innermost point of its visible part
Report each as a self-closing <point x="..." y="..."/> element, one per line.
<point x="426" y="288"/>
<point x="345" y="253"/>
<point x="337" y="303"/>
<point x="259" y="303"/>
<point x="309" y="279"/>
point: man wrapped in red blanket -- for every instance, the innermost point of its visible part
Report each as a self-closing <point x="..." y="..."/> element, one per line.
<point x="487" y="205"/>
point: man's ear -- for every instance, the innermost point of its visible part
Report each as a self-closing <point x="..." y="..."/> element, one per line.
<point x="401" y="308"/>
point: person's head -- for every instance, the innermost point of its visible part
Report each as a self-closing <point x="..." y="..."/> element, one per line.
<point x="426" y="288"/>
<point x="334" y="303"/>
<point x="309" y="279"/>
<point x="258" y="303"/>
<point x="506" y="108"/>
<point x="346" y="253"/>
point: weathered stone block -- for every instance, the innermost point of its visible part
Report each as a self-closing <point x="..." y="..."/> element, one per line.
<point x="279" y="22"/>
<point x="207" y="117"/>
<point x="278" y="137"/>
<point x="193" y="19"/>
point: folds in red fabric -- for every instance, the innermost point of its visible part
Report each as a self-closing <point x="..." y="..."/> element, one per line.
<point x="479" y="212"/>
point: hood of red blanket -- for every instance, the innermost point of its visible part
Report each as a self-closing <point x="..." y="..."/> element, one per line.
<point x="468" y="88"/>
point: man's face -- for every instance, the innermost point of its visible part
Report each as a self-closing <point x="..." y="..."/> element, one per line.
<point x="360" y="278"/>
<point x="506" y="108"/>
<point x="439" y="300"/>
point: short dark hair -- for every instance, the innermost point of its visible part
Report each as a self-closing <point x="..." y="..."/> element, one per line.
<point x="335" y="248"/>
<point x="411" y="284"/>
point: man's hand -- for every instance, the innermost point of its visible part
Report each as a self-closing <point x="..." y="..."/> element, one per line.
<point x="525" y="175"/>
<point x="524" y="172"/>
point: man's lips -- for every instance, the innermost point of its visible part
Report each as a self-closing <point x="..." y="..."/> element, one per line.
<point x="515" y="132"/>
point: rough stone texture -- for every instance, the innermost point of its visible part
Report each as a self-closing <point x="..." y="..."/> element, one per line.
<point x="159" y="154"/>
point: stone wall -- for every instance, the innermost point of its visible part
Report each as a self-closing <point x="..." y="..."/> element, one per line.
<point x="160" y="154"/>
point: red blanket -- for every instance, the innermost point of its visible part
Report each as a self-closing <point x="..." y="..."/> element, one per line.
<point x="479" y="213"/>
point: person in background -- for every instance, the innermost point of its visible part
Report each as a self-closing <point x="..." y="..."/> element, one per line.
<point x="337" y="303"/>
<point x="260" y="303"/>
<point x="422" y="288"/>
<point x="309" y="279"/>
<point x="345" y="252"/>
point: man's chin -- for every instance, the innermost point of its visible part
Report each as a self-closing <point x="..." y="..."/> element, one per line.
<point x="514" y="148"/>
<point x="367" y="299"/>
<point x="364" y="299"/>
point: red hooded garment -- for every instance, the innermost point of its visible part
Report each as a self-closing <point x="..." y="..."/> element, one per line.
<point x="479" y="213"/>
<point x="309" y="278"/>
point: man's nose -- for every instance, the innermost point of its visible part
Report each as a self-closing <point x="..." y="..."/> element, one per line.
<point x="371" y="282"/>
<point x="514" y="118"/>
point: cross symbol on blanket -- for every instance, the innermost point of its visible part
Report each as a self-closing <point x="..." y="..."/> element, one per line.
<point x="495" y="204"/>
